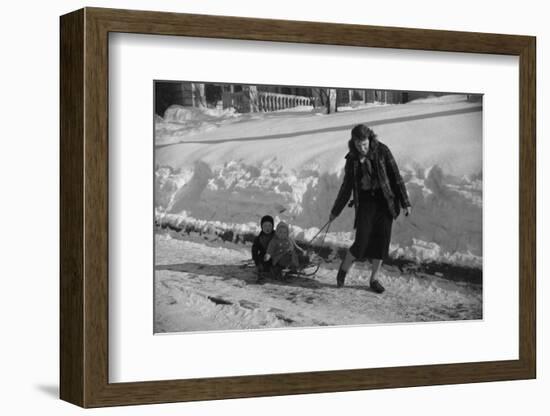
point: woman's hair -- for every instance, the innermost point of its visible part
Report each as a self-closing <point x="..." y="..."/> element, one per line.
<point x="362" y="132"/>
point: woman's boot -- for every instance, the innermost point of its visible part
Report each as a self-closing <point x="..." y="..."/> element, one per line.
<point x="344" y="268"/>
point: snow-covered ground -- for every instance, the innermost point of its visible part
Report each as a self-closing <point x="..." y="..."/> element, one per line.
<point x="180" y="122"/>
<point x="206" y="285"/>
<point x="219" y="172"/>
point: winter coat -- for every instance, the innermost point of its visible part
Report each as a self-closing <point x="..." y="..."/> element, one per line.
<point x="259" y="246"/>
<point x="278" y="247"/>
<point x="387" y="173"/>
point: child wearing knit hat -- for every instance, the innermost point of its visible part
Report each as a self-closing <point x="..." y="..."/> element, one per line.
<point x="259" y="246"/>
<point x="283" y="251"/>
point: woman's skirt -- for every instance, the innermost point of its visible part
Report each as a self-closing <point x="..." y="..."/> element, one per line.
<point x="373" y="227"/>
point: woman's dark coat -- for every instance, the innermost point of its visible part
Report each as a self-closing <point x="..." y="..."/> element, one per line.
<point x="386" y="171"/>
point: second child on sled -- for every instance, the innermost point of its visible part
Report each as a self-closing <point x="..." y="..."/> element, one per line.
<point x="284" y="253"/>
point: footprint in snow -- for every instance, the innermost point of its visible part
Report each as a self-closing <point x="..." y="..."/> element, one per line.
<point x="309" y="299"/>
<point x="248" y="304"/>
<point x="219" y="301"/>
<point x="285" y="319"/>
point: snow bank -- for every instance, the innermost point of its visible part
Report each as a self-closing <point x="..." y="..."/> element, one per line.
<point x="181" y="122"/>
<point x="443" y="99"/>
<point x="290" y="166"/>
<point x="180" y="114"/>
<point x="297" y="109"/>
<point x="447" y="210"/>
<point x="361" y="106"/>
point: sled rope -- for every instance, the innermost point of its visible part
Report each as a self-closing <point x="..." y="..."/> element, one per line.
<point x="327" y="226"/>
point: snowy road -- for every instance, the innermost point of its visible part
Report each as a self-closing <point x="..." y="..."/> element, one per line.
<point x="202" y="285"/>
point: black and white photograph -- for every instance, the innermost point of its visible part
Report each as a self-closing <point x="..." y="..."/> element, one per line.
<point x="292" y="206"/>
<point x="247" y="208"/>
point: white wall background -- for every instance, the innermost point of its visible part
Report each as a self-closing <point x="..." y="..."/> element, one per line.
<point x="29" y="210"/>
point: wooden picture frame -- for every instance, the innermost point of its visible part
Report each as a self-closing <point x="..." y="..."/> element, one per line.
<point x="84" y="207"/>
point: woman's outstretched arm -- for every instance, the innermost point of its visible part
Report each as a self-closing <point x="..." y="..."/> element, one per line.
<point x="395" y="176"/>
<point x="344" y="193"/>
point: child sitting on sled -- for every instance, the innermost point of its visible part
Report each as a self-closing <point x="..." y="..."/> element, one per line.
<point x="283" y="252"/>
<point x="259" y="246"/>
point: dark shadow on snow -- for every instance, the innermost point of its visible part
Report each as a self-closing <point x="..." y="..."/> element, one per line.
<point x="455" y="273"/>
<point x="332" y="129"/>
<point x="240" y="272"/>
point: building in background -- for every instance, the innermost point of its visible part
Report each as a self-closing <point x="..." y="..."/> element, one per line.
<point x="264" y="98"/>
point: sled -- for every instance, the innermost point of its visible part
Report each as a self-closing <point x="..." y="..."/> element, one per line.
<point x="307" y="269"/>
<point x="309" y="263"/>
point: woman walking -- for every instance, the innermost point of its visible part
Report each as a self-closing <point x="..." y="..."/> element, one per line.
<point x="371" y="175"/>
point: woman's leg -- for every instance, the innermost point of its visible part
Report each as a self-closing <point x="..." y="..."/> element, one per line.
<point x="376" y="263"/>
<point x="374" y="284"/>
<point x="344" y="268"/>
<point x="347" y="262"/>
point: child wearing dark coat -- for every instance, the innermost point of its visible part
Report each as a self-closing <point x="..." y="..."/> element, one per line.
<point x="259" y="246"/>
